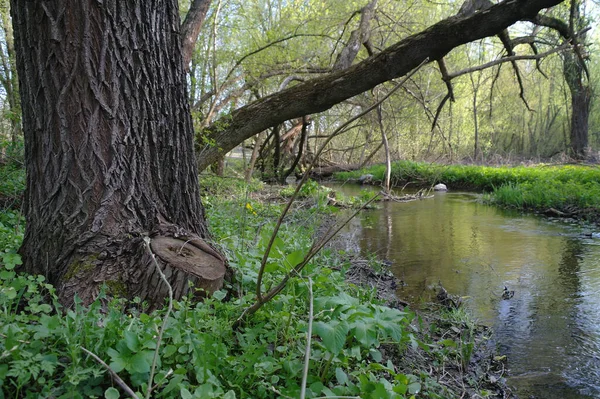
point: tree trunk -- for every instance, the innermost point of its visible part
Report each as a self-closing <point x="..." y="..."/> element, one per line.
<point x="190" y="29"/>
<point x="109" y="150"/>
<point x="317" y="95"/>
<point x="250" y="170"/>
<point x="580" y="101"/>
<point x="386" y="146"/>
<point x="581" y="97"/>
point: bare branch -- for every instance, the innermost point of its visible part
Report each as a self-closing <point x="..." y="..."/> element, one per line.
<point x="560" y="48"/>
<point x="114" y="375"/>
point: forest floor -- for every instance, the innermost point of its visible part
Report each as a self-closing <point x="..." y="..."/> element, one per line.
<point x="452" y="352"/>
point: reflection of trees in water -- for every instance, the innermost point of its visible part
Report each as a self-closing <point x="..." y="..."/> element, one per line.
<point x="569" y="266"/>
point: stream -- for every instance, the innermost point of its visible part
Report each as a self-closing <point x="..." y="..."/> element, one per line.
<point x="549" y="329"/>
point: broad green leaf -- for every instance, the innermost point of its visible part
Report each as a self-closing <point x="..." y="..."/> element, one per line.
<point x="132" y="341"/>
<point x="140" y="362"/>
<point x="341" y="376"/>
<point x="365" y="334"/>
<point x="219" y="295"/>
<point x="333" y="334"/>
<point x="185" y="394"/>
<point x="229" y="395"/>
<point x="295" y="258"/>
<point x="271" y="267"/>
<point x="118" y="363"/>
<point x="414" y="388"/>
<point x="317" y="387"/>
<point x="111" y="393"/>
<point x="375" y="355"/>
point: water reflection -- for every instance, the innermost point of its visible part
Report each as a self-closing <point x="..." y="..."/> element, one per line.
<point x="549" y="329"/>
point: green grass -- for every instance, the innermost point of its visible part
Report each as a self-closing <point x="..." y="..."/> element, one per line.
<point x="212" y="185"/>
<point x="572" y="189"/>
<point x="484" y="178"/>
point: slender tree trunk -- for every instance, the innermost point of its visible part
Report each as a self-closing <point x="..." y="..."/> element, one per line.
<point x="304" y="132"/>
<point x="190" y="29"/>
<point x="386" y="146"/>
<point x="255" y="150"/>
<point x="109" y="150"/>
<point x="476" y="127"/>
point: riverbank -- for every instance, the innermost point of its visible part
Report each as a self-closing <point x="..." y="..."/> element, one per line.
<point x="555" y="190"/>
<point x="362" y="345"/>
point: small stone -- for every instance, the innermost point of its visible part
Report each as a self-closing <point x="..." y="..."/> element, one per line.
<point x="440" y="187"/>
<point x="364" y="179"/>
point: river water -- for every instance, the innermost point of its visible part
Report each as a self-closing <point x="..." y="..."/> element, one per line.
<point x="549" y="329"/>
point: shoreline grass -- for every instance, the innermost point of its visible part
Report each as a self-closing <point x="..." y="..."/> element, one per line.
<point x="562" y="190"/>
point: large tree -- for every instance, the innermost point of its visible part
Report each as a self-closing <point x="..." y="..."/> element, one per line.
<point x="109" y="151"/>
<point x="108" y="137"/>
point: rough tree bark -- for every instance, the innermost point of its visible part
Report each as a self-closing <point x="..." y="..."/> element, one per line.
<point x="581" y="93"/>
<point x="357" y="38"/>
<point x="109" y="150"/>
<point x="317" y="95"/>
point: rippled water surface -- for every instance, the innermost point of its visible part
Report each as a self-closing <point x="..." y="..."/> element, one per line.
<point x="550" y="329"/>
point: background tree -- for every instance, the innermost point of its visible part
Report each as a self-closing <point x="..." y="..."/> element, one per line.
<point x="108" y="131"/>
<point x="320" y="94"/>
<point x="8" y="74"/>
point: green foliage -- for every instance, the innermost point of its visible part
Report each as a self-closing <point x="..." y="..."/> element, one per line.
<point x="12" y="153"/>
<point x="484" y="178"/>
<point x="201" y="355"/>
<point x="215" y="186"/>
<point x="11" y="231"/>
<point x="12" y="185"/>
<point x="568" y="197"/>
<point x="309" y="189"/>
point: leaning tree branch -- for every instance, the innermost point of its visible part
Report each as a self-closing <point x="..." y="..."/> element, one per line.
<point x="319" y="94"/>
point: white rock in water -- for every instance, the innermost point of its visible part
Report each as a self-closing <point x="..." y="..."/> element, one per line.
<point x="366" y="178"/>
<point x="440" y="187"/>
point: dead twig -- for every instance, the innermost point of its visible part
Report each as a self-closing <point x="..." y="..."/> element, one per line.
<point x="114" y="375"/>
